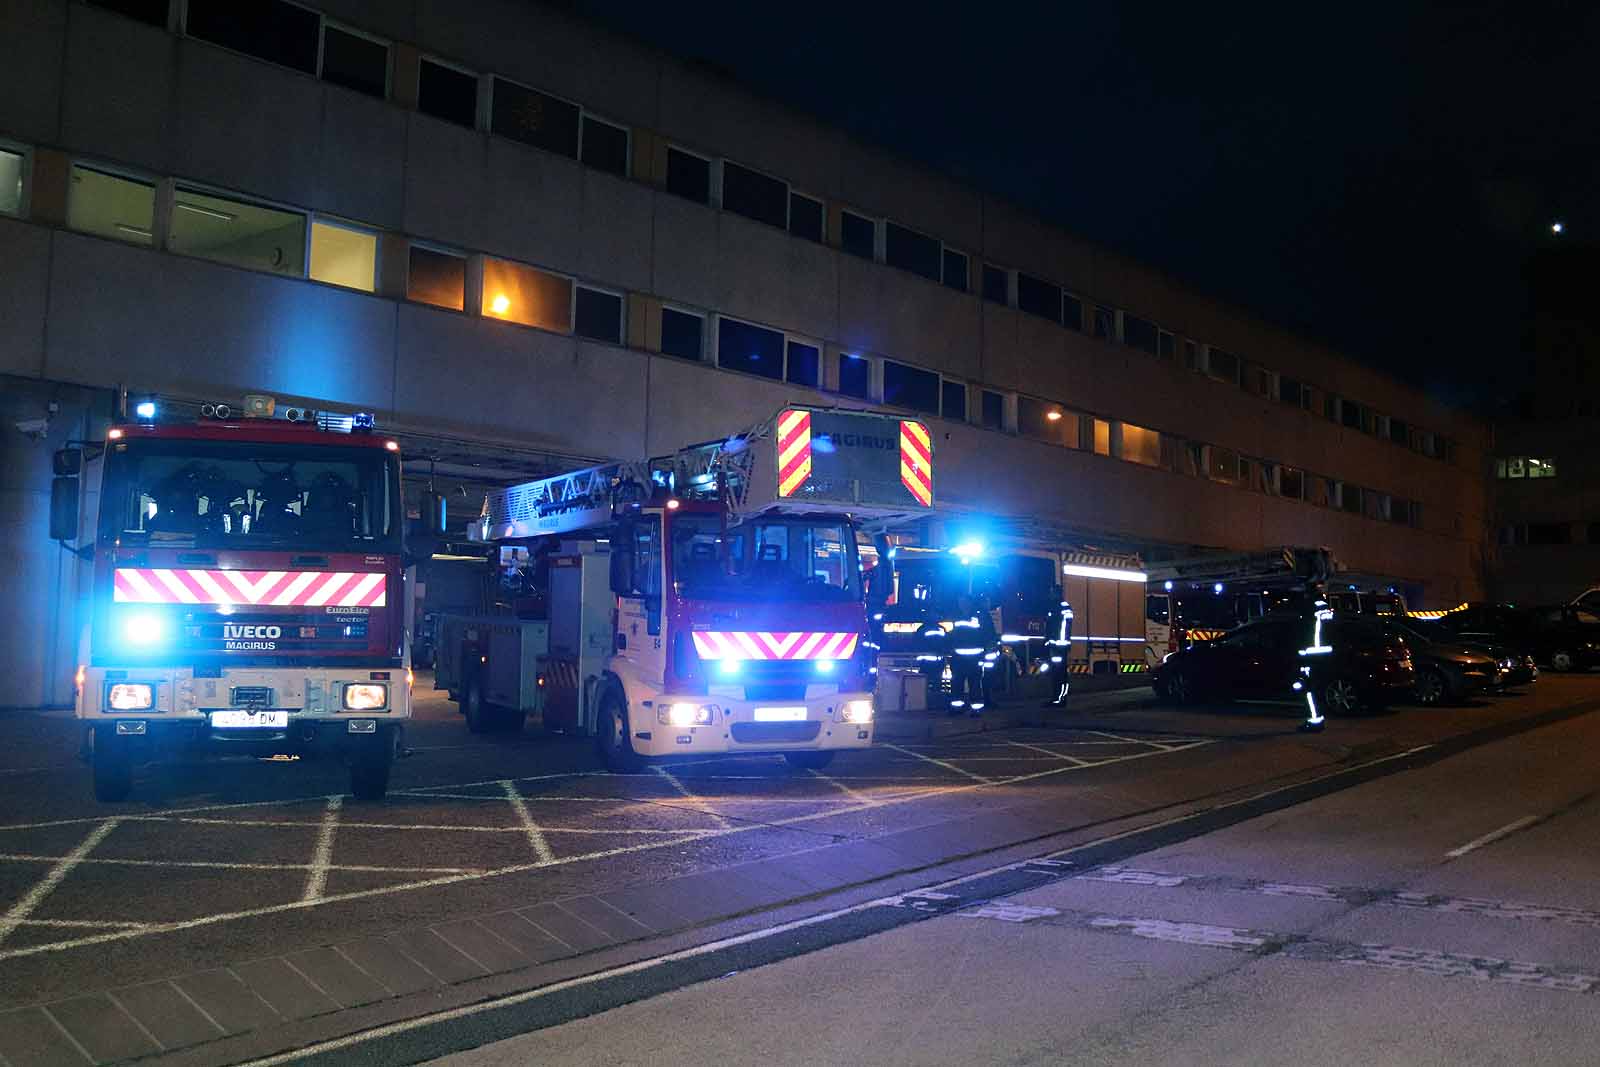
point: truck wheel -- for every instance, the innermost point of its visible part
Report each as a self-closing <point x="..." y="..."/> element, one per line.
<point x="808" y="761"/>
<point x="480" y="716"/>
<point x="370" y="765"/>
<point x="1561" y="660"/>
<point x="611" y="737"/>
<point x="112" y="764"/>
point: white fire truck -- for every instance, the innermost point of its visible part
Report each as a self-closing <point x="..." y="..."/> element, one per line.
<point x="708" y="601"/>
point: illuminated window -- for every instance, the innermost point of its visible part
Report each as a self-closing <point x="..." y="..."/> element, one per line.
<point x="598" y="315"/>
<point x="605" y="146"/>
<point x="744" y="346"/>
<point x="1141" y="445"/>
<point x="858" y="235"/>
<point x="1100" y="431"/>
<point x="804" y="364"/>
<point x="437" y="278"/>
<point x="953" y="401"/>
<point x="855" y="376"/>
<point x="1047" y="421"/>
<point x="682" y="334"/>
<point x="688" y="175"/>
<point x="754" y="195"/>
<point x="910" y="387"/>
<point x="153" y="12"/>
<point x="912" y="251"/>
<point x="237" y="232"/>
<point x="1038" y="297"/>
<point x="111" y="205"/>
<point x="996" y="285"/>
<point x="534" y="118"/>
<point x="955" y="270"/>
<point x="355" y="61"/>
<point x="518" y="293"/>
<point x="805" y="217"/>
<point x="344" y="255"/>
<point x="273" y="30"/>
<point x="448" y="93"/>
<point x="1524" y="467"/>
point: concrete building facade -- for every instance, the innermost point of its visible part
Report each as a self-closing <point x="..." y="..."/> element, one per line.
<point x="505" y="230"/>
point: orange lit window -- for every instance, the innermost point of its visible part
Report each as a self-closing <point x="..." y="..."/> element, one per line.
<point x="522" y="294"/>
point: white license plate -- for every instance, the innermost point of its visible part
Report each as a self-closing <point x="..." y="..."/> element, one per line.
<point x="780" y="715"/>
<point x="249" y="720"/>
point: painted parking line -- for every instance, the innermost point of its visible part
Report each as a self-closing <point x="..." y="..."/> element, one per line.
<point x="536" y="838"/>
<point x="46" y="885"/>
<point x="1492" y="836"/>
<point x="941" y="763"/>
<point x="1058" y="755"/>
<point x="322" y="855"/>
<point x="678" y="785"/>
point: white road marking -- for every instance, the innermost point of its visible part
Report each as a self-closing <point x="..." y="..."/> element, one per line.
<point x="683" y="789"/>
<point x="322" y="855"/>
<point x="1048" y="752"/>
<point x="48" y="1014"/>
<point x="851" y="794"/>
<point x="1008" y="913"/>
<point x="355" y="825"/>
<point x="941" y="763"/>
<point x="1187" y="933"/>
<point x="154" y="1040"/>
<point x="541" y="847"/>
<point x="224" y="865"/>
<point x="83" y="924"/>
<point x="1131" y="740"/>
<point x="1492" y="836"/>
<point x="678" y="837"/>
<point x="35" y="896"/>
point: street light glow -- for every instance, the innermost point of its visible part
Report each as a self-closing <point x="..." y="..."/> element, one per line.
<point x="1558" y="227"/>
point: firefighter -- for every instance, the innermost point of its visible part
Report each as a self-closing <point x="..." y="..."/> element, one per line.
<point x="1312" y="658"/>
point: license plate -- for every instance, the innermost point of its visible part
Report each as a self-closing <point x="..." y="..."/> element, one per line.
<point x="780" y="715"/>
<point x="249" y="720"/>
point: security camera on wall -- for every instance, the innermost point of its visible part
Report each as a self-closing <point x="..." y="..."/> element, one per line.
<point x="34" y="428"/>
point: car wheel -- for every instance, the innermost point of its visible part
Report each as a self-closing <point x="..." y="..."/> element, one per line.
<point x="1430" y="688"/>
<point x="1561" y="660"/>
<point x="808" y="761"/>
<point x="1180" y="689"/>
<point x="1341" y="697"/>
<point x="611" y="736"/>
<point x="112" y="765"/>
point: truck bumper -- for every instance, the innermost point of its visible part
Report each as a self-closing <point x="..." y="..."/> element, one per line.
<point x="753" y="726"/>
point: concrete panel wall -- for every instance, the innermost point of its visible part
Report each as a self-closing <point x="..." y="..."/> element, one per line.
<point x="30" y="67"/>
<point x="24" y="283"/>
<point x="117" y="97"/>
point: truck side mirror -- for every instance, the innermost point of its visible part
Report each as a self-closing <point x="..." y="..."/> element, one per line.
<point x="64" y="509"/>
<point x="621" y="571"/>
<point x="68" y="462"/>
<point x="435" y="514"/>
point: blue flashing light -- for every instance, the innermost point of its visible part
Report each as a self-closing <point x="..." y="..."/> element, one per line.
<point x="823" y="443"/>
<point x="825" y="666"/>
<point x="146" y="628"/>
<point x="968" y="551"/>
<point x="362" y="420"/>
<point x="145" y="409"/>
<point x="1167" y="585"/>
<point x="1217" y="589"/>
<point x="729" y="667"/>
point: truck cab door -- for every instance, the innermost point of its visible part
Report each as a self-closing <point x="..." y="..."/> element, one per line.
<point x="640" y="637"/>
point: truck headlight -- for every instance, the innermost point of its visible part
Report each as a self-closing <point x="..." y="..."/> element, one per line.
<point x="684" y="715"/>
<point x="365" y="696"/>
<point x="856" y="711"/>
<point x="130" y="696"/>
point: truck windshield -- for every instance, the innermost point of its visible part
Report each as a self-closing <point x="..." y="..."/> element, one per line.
<point x="944" y="586"/>
<point x="764" y="558"/>
<point x="245" y="494"/>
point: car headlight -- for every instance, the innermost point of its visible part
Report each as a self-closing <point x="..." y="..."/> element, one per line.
<point x="683" y="715"/>
<point x="857" y="711"/>
<point x="365" y="696"/>
<point x="130" y="696"/>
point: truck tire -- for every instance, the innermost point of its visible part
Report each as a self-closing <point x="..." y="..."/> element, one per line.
<point x="611" y="736"/>
<point x="808" y="761"/>
<point x="1561" y="660"/>
<point x="370" y="765"/>
<point x="479" y="714"/>
<point x="112" y="765"/>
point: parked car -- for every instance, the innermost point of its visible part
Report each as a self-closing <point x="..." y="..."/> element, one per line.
<point x="1509" y="647"/>
<point x="1502" y="626"/>
<point x="1566" y="638"/>
<point x="1365" y="667"/>
<point x="1447" y="671"/>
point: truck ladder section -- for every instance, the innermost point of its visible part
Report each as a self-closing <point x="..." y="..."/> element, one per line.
<point x="1286" y="565"/>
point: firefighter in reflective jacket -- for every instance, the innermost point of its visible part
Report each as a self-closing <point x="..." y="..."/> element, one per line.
<point x="1312" y="659"/>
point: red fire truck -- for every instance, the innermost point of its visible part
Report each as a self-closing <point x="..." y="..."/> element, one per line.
<point x="709" y="601"/>
<point x="247" y="594"/>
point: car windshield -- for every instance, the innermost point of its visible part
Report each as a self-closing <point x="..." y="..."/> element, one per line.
<point x="764" y="559"/>
<point x="243" y="494"/>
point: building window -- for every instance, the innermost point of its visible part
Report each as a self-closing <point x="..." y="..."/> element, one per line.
<point x="597" y="315"/>
<point x="1071" y="312"/>
<point x="858" y="235"/>
<point x="996" y="285"/>
<point x="110" y="205"/>
<point x="1399" y="432"/>
<point x="955" y="270"/>
<point x="605" y="146"/>
<point x="682" y="334"/>
<point x="1222" y="365"/>
<point x="1291" y="483"/>
<point x="237" y="232"/>
<point x="1524" y="467"/>
<point x="912" y="251"/>
<point x="447" y="93"/>
<point x="1352" y="415"/>
<point x="805" y="217"/>
<point x="534" y="118"/>
<point x="754" y="195"/>
<point x="437" y="278"/>
<point x="1046" y="421"/>
<point x="1191" y="355"/>
<point x="1038" y="297"/>
<point x="1167" y="345"/>
<point x="1100" y="436"/>
<point x="855" y="376"/>
<point x="355" y="61"/>
<point x="804" y="365"/>
<point x="688" y="175"/>
<point x="519" y="293"/>
<point x="152" y="12"/>
<point x="1290" y="391"/>
<point x="953" y="401"/>
<point x="746" y="347"/>
<point x="344" y="255"/>
<point x="12" y="170"/>
<point x="993" y="412"/>
<point x="1224" y="465"/>
<point x="1105" y="323"/>
<point x="1400" y="511"/>
<point x="1349" y="497"/>
<point x="1140" y="445"/>
<point x="1139" y="333"/>
<point x="910" y="387"/>
<point x="1549" y="533"/>
<point x="278" y="32"/>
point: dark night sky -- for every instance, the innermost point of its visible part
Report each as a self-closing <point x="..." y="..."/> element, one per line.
<point x="1374" y="176"/>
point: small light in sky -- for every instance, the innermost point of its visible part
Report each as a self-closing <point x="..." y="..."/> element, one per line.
<point x="1557" y="227"/>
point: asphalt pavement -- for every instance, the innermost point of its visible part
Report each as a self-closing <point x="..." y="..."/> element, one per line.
<point x="233" y="911"/>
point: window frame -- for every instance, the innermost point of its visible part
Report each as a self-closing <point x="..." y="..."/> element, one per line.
<point x="116" y="170"/>
<point x="720" y="174"/>
<point x="486" y="108"/>
<point x="322" y="20"/>
<point x="482" y="96"/>
<point x="874" y="380"/>
<point x="783" y="369"/>
<point x="338" y="223"/>
<point x="945" y="252"/>
<point x="884" y="230"/>
<point x="168" y="190"/>
<point x="25" y="198"/>
<point x="946" y="382"/>
<point x="713" y="176"/>
<point x="622" y="313"/>
<point x="466" y="276"/>
<point x="342" y="27"/>
<point x="704" y="317"/>
<point x="483" y="259"/>
<point x="822" y="212"/>
<point x="877" y="235"/>
<point x="584" y="116"/>
<point x="883" y="388"/>
<point x="808" y="342"/>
